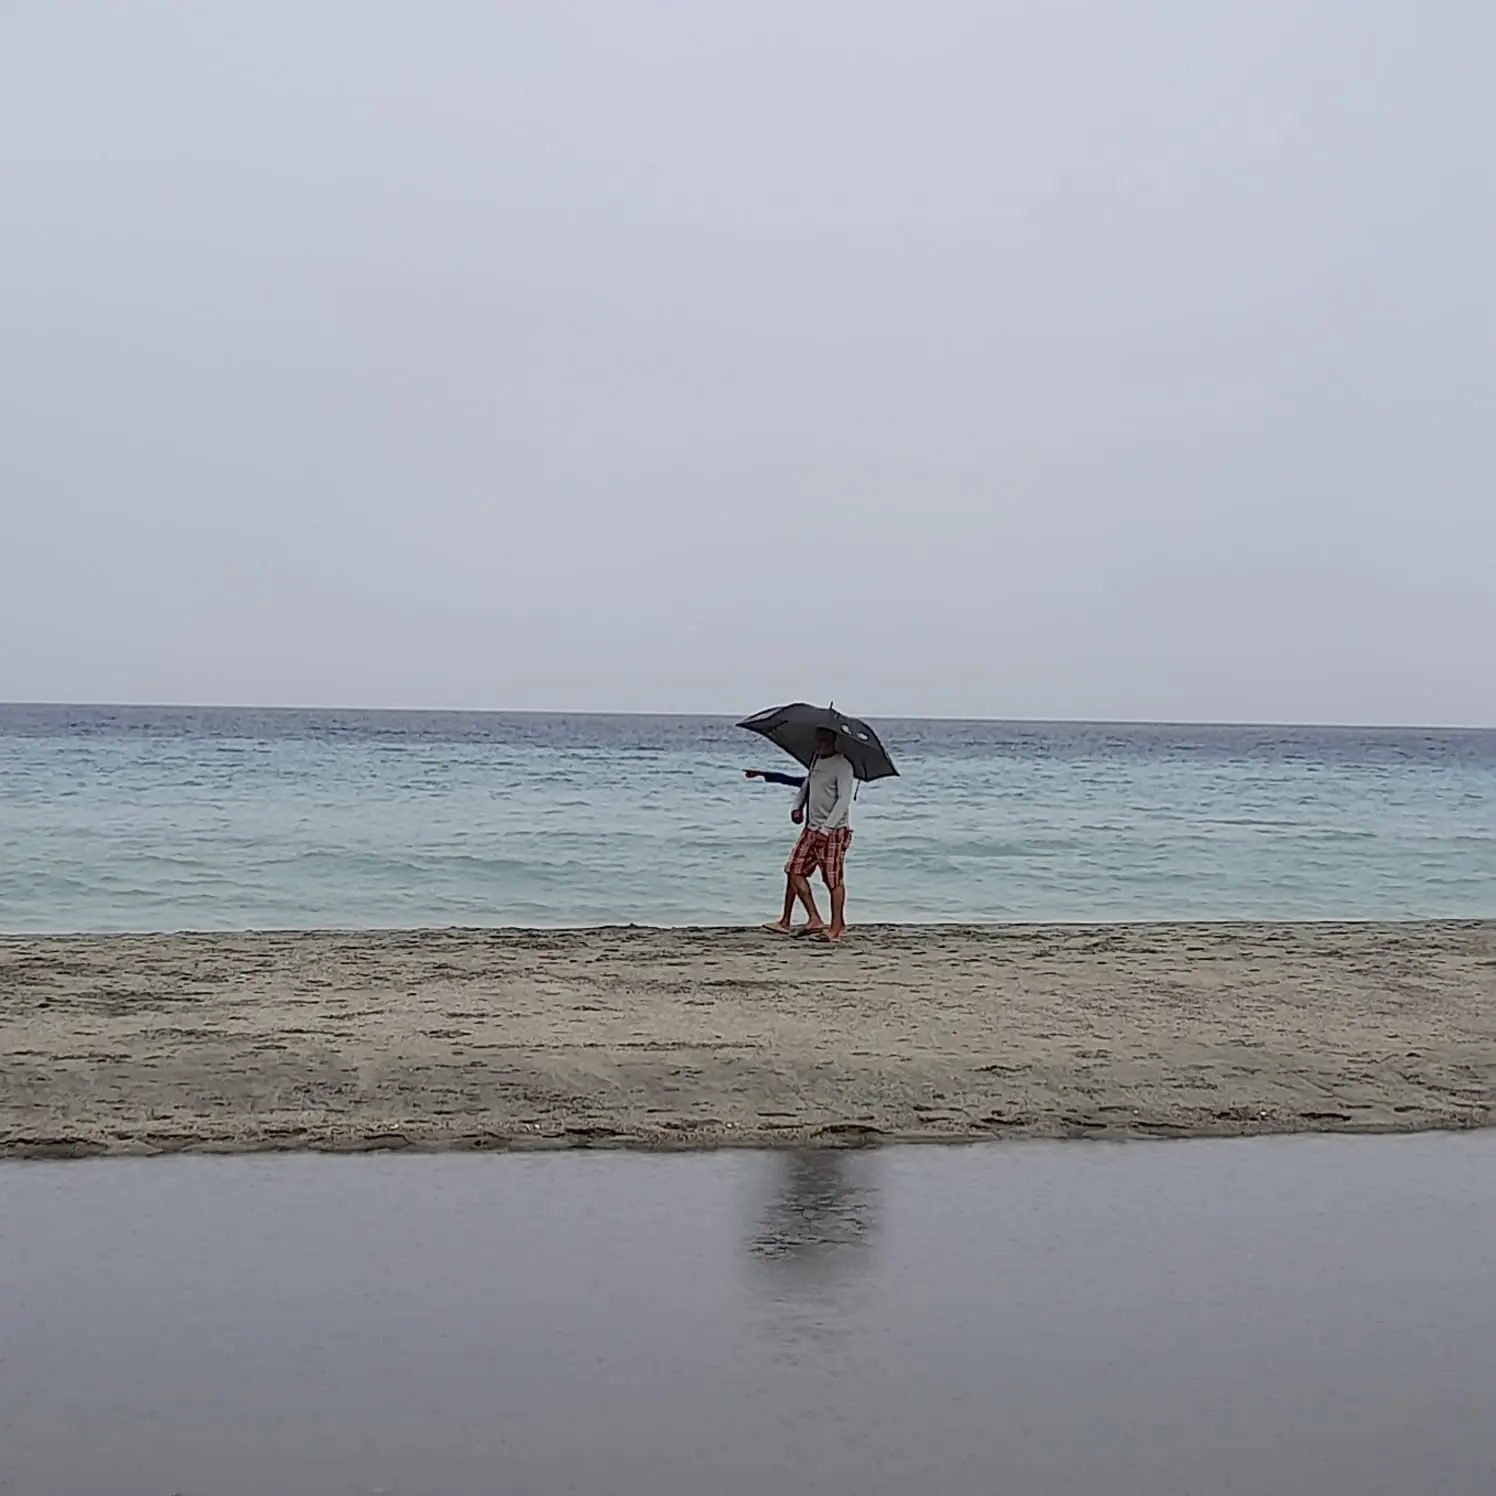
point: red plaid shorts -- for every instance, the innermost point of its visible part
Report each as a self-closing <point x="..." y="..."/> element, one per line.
<point x="823" y="850"/>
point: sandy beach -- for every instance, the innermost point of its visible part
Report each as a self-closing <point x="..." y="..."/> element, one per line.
<point x="689" y="1038"/>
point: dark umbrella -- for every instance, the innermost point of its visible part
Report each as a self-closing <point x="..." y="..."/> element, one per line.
<point x="794" y="729"/>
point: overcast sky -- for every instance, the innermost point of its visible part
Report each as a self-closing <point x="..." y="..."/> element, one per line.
<point x="1063" y="359"/>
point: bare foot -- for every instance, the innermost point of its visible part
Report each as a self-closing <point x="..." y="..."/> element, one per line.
<point x="836" y="932"/>
<point x="779" y="927"/>
<point x="816" y="928"/>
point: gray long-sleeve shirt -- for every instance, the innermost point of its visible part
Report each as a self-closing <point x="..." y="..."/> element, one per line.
<point x="827" y="794"/>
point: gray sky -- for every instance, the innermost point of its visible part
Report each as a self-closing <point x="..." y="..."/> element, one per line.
<point x="1077" y="359"/>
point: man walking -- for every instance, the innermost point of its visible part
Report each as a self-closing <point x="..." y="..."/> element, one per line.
<point x="825" y="805"/>
<point x="783" y="925"/>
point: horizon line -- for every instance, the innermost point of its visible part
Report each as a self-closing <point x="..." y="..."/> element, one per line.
<point x="1221" y="722"/>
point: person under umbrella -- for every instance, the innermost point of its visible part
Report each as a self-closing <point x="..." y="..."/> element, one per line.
<point x="837" y="752"/>
<point x="824" y="805"/>
<point x="784" y="924"/>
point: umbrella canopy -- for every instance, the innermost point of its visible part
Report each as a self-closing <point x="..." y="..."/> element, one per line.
<point x="794" y="729"/>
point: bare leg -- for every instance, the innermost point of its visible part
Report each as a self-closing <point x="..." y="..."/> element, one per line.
<point x="838" y="912"/>
<point x="785" y="919"/>
<point x="808" y="899"/>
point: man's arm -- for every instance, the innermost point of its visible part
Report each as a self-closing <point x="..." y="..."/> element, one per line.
<point x="801" y="800"/>
<point x="770" y="777"/>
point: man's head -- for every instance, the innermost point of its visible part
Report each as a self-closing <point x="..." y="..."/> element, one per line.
<point x="825" y="742"/>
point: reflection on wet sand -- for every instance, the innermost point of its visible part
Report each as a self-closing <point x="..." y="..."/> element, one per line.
<point x="821" y="1216"/>
<point x="1183" y="1319"/>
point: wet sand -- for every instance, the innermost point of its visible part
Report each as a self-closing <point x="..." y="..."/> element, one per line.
<point x="695" y="1038"/>
<point x="1308" y="1316"/>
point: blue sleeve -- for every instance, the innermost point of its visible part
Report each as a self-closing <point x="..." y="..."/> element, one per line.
<point x="789" y="779"/>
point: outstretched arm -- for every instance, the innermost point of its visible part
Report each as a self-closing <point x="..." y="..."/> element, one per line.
<point x="769" y="777"/>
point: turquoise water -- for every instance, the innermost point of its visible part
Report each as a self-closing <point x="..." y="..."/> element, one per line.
<point x="155" y="819"/>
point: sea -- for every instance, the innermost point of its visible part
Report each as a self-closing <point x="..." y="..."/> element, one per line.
<point x="169" y="818"/>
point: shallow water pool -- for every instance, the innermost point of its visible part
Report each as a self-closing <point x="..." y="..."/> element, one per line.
<point x="1271" y="1315"/>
